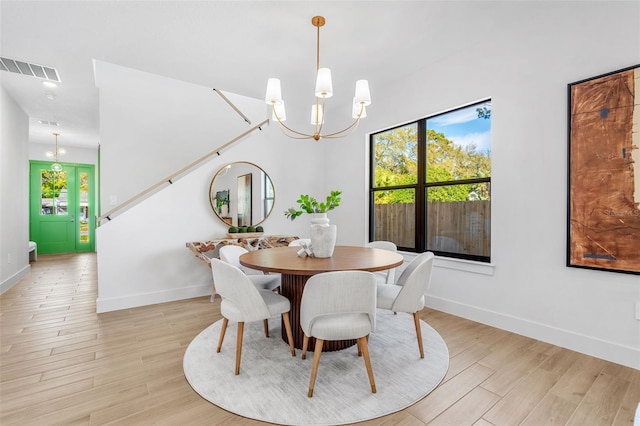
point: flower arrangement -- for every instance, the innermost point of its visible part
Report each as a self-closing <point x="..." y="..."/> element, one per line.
<point x="308" y="204"/>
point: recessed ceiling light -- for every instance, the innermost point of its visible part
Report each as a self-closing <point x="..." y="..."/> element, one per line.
<point x="49" y="84"/>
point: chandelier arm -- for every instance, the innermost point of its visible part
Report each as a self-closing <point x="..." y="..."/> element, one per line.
<point x="296" y="137"/>
<point x="353" y="126"/>
<point x="284" y="126"/>
<point x="349" y="129"/>
<point x="344" y="132"/>
<point x="321" y="122"/>
<point x="290" y="133"/>
<point x="304" y="135"/>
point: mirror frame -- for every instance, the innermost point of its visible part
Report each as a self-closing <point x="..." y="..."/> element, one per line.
<point x="213" y="191"/>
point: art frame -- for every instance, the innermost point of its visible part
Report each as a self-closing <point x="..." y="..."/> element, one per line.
<point x="603" y="196"/>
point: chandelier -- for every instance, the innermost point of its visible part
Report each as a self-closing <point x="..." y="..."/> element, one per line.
<point x="324" y="90"/>
<point x="55" y="166"/>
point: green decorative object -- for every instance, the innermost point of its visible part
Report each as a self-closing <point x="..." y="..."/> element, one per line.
<point x="308" y="204"/>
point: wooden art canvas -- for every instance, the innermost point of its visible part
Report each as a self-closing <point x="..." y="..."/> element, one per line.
<point x="604" y="172"/>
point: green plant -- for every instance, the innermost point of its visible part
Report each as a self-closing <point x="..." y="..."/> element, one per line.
<point x="308" y="204"/>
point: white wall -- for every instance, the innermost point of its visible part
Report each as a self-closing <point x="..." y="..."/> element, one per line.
<point x="524" y="68"/>
<point x="152" y="126"/>
<point x="14" y="192"/>
<point x="74" y="154"/>
<point x="520" y="54"/>
<point x="142" y="256"/>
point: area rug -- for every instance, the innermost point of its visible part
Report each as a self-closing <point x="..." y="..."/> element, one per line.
<point x="272" y="385"/>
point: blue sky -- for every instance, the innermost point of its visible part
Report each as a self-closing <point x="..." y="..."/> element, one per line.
<point x="463" y="126"/>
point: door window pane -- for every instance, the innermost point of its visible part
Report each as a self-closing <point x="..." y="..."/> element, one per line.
<point x="53" y="192"/>
<point x="84" y="234"/>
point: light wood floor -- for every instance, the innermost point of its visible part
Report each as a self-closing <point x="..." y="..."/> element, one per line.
<point x="61" y="363"/>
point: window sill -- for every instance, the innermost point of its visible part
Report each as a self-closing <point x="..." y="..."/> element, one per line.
<point x="457" y="264"/>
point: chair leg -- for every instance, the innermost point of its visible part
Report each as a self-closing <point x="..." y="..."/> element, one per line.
<point x="266" y="327"/>
<point x="416" y="320"/>
<point x="360" y="350"/>
<point x="362" y="343"/>
<point x="305" y="345"/>
<point x="287" y="327"/>
<point x="239" y="346"/>
<point x="314" y="367"/>
<point x="223" y="330"/>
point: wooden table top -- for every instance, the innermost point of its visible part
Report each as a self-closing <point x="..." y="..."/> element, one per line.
<point x="285" y="260"/>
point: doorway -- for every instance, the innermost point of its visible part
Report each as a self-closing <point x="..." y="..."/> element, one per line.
<point x="61" y="207"/>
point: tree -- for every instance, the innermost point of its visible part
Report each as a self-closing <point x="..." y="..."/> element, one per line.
<point x="53" y="183"/>
<point x="395" y="159"/>
<point x="396" y="152"/>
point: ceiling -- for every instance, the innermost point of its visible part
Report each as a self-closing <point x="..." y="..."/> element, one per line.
<point x="234" y="46"/>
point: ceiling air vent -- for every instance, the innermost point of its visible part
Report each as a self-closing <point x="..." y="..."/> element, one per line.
<point x="25" y="68"/>
<point x="49" y="123"/>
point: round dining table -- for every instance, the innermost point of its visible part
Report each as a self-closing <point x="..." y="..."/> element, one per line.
<point x="296" y="270"/>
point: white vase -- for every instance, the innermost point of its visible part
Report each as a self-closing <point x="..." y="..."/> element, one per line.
<point x="323" y="235"/>
<point x="319" y="218"/>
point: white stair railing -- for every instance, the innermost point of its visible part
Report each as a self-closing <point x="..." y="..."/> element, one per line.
<point x="172" y="178"/>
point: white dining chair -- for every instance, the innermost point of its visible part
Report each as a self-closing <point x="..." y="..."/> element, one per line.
<point x="408" y="294"/>
<point x="231" y="254"/>
<point x="338" y="305"/>
<point x="243" y="302"/>
<point x="388" y="276"/>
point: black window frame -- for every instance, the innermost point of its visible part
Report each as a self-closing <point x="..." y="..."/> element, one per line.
<point x="420" y="187"/>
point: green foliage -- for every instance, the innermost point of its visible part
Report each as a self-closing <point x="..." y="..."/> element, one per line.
<point x="396" y="151"/>
<point x="395" y="159"/>
<point x="308" y="204"/>
<point x="484" y="112"/>
<point x="53" y="183"/>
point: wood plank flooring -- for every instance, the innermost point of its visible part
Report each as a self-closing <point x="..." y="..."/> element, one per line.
<point x="61" y="363"/>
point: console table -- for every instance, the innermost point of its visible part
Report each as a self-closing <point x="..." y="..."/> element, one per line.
<point x="207" y="250"/>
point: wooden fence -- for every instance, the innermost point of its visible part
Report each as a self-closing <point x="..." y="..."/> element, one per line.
<point x="459" y="227"/>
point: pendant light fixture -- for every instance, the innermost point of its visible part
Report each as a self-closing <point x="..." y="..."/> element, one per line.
<point x="323" y="90"/>
<point x="55" y="166"/>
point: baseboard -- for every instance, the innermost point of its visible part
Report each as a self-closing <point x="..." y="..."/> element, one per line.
<point x="137" y="300"/>
<point x="14" y="279"/>
<point x="589" y="345"/>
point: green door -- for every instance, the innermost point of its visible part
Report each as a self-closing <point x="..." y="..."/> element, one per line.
<point x="62" y="218"/>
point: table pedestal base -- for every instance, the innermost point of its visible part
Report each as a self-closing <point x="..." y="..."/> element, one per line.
<point x="292" y="287"/>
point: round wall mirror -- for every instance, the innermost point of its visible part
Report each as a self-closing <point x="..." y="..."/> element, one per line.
<point x="241" y="194"/>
